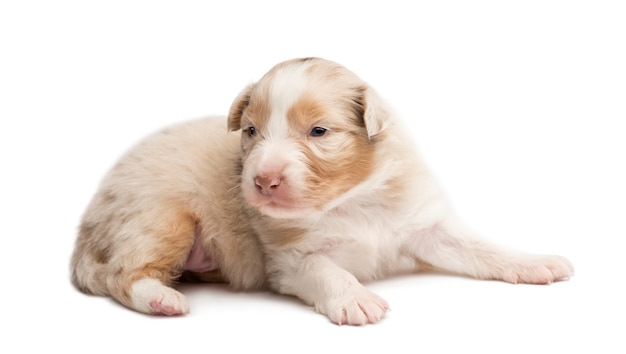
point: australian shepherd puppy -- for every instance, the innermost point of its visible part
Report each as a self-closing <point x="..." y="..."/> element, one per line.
<point x="310" y="187"/>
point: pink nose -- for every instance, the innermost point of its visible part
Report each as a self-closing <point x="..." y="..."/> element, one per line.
<point x="267" y="184"/>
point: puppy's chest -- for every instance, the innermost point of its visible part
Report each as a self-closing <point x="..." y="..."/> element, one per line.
<point x="366" y="246"/>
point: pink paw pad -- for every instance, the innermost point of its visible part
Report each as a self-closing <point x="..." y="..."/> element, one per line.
<point x="160" y="309"/>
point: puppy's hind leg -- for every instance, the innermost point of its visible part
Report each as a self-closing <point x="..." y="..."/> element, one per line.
<point x="144" y="273"/>
<point x="452" y="247"/>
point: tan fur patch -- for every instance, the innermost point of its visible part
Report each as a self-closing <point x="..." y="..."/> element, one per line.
<point x="333" y="176"/>
<point x="258" y="111"/>
<point x="340" y="159"/>
<point x="305" y="114"/>
<point x="165" y="259"/>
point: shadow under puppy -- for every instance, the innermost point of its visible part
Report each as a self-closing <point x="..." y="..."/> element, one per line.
<point x="313" y="189"/>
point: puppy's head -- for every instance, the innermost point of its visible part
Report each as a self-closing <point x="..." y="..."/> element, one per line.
<point x="309" y="131"/>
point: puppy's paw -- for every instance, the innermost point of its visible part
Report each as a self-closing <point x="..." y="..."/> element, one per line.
<point x="355" y="307"/>
<point x="150" y="296"/>
<point x="539" y="270"/>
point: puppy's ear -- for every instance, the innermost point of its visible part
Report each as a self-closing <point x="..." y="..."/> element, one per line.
<point x="375" y="115"/>
<point x="237" y="108"/>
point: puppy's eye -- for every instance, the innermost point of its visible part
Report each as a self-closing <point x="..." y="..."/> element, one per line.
<point x="318" y="131"/>
<point x="251" y="131"/>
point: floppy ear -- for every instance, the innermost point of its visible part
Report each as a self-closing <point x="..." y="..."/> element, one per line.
<point x="237" y="108"/>
<point x="375" y="115"/>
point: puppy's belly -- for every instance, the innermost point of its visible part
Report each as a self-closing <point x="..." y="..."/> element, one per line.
<point x="199" y="260"/>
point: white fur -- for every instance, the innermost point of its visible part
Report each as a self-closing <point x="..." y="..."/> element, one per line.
<point x="151" y="296"/>
<point x="286" y="89"/>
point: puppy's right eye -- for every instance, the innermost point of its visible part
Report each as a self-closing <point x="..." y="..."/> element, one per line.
<point x="251" y="131"/>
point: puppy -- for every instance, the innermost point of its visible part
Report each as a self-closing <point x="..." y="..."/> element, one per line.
<point x="314" y="189"/>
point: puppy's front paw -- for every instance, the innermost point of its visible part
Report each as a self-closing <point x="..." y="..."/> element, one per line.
<point x="539" y="270"/>
<point x="355" y="307"/>
<point x="152" y="297"/>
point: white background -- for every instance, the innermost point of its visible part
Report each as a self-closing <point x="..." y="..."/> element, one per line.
<point x="519" y="108"/>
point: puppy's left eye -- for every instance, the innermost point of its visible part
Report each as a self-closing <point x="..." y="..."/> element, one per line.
<point x="318" y="131"/>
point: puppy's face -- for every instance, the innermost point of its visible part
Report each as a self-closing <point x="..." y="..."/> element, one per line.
<point x="308" y="136"/>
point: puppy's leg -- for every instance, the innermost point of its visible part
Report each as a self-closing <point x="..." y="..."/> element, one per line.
<point x="152" y="259"/>
<point x="453" y="248"/>
<point x="333" y="291"/>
